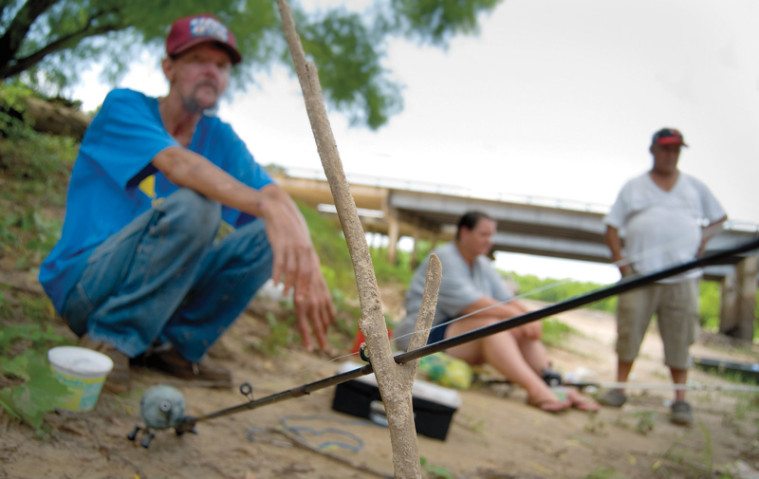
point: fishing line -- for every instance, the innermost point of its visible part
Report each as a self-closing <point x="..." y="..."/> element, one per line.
<point x="532" y="292"/>
<point x="747" y="388"/>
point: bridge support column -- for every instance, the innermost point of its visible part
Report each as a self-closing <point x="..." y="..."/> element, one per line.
<point x="728" y="302"/>
<point x="739" y="300"/>
<point x="393" y="235"/>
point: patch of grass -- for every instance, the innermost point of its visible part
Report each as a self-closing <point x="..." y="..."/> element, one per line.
<point x="33" y="336"/>
<point x="557" y="290"/>
<point x="747" y="409"/>
<point x="602" y="473"/>
<point x="555" y="332"/>
<point x="34" y="235"/>
<point x="34" y="391"/>
<point x="688" y="460"/>
<point x="282" y="334"/>
<point x="595" y="426"/>
<point x="34" y="170"/>
<point x="39" y="394"/>
<point x="433" y="471"/>
<point x="641" y="422"/>
<point x="645" y="422"/>
<point x="330" y="244"/>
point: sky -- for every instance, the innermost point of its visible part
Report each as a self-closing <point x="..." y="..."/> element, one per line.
<point x="552" y="99"/>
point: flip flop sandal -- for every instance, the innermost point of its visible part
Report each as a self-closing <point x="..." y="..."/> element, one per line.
<point x="557" y="404"/>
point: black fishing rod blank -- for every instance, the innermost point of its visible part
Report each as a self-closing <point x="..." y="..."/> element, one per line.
<point x="187" y="424"/>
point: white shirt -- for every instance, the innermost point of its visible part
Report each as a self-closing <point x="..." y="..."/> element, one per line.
<point x="663" y="228"/>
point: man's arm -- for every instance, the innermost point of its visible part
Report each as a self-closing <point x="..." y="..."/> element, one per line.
<point x="295" y="261"/>
<point x="614" y="242"/>
<point x="710" y="231"/>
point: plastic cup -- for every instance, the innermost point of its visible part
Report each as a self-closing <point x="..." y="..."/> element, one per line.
<point x="83" y="371"/>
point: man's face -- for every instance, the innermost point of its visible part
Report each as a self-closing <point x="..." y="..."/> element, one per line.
<point x="665" y="158"/>
<point x="199" y="76"/>
<point x="478" y="240"/>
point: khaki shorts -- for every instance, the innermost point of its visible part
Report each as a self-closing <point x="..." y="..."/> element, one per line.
<point x="676" y="309"/>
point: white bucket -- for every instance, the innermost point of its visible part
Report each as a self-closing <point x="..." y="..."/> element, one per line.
<point x="83" y="371"/>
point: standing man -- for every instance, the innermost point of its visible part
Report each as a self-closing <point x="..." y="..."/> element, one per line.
<point x="140" y="270"/>
<point x="661" y="215"/>
<point x="473" y="295"/>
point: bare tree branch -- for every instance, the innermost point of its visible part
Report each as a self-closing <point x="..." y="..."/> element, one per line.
<point x="394" y="380"/>
<point x="14" y="35"/>
<point x="60" y="43"/>
<point x="13" y="67"/>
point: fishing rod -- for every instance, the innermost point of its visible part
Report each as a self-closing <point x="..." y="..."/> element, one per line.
<point x="187" y="423"/>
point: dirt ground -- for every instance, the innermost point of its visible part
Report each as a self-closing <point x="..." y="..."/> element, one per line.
<point x="494" y="434"/>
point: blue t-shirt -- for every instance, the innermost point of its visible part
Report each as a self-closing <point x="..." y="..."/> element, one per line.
<point x="113" y="180"/>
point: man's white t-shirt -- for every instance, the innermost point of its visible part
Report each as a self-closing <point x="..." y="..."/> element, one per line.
<point x="663" y="228"/>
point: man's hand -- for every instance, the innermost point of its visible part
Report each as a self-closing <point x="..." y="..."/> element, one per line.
<point x="313" y="307"/>
<point x="296" y="265"/>
<point x="625" y="270"/>
<point x="295" y="262"/>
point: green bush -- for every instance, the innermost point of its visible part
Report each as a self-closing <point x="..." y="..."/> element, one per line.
<point x="557" y="290"/>
<point x="555" y="332"/>
<point x="709" y="305"/>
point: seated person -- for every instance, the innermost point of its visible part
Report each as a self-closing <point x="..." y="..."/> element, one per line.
<point x="472" y="288"/>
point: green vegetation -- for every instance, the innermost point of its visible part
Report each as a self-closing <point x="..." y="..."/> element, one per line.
<point x="48" y="43"/>
<point x="554" y="291"/>
<point x="557" y="290"/>
<point x="282" y="334"/>
<point x="682" y="459"/>
<point x="602" y="473"/>
<point x="555" y="332"/>
<point x="37" y="394"/>
<point x="28" y="389"/>
<point x="433" y="471"/>
<point x="34" y="169"/>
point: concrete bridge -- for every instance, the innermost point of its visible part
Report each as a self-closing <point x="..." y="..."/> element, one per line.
<point x="530" y="225"/>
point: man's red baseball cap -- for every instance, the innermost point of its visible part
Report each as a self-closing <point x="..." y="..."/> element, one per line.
<point x="668" y="136"/>
<point x="189" y="31"/>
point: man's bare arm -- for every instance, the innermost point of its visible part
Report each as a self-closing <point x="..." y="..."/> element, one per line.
<point x="710" y="231"/>
<point x="295" y="261"/>
<point x="614" y="242"/>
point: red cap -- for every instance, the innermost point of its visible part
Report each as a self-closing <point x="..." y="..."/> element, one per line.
<point x="668" y="136"/>
<point x="196" y="29"/>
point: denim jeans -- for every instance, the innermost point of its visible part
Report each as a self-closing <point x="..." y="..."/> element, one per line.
<point x="163" y="278"/>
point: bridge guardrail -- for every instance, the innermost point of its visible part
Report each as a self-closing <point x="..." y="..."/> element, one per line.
<point x="732" y="225"/>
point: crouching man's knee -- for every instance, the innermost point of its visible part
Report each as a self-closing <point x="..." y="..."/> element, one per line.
<point x="192" y="213"/>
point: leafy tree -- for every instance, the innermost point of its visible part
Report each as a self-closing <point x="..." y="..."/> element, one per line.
<point x="48" y="42"/>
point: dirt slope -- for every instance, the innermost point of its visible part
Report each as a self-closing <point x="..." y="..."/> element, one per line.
<point x="493" y="435"/>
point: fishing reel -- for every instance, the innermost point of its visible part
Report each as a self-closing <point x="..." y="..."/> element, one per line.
<point x="162" y="407"/>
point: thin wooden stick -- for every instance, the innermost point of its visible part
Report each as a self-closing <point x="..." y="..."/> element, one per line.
<point x="394" y="380"/>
